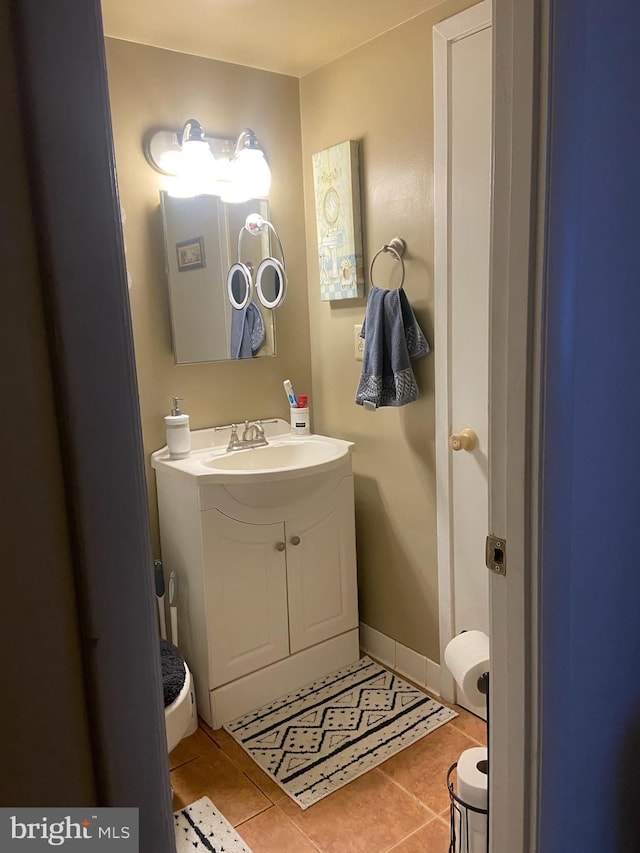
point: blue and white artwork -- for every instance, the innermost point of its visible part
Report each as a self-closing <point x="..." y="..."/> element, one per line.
<point x="337" y="193"/>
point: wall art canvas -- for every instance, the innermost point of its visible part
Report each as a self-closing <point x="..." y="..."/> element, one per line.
<point x="337" y="193"/>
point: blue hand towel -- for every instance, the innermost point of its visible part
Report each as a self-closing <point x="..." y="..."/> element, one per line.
<point x="393" y="339"/>
<point x="247" y="331"/>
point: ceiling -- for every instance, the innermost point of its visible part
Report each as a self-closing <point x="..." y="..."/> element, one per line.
<point x="287" y="36"/>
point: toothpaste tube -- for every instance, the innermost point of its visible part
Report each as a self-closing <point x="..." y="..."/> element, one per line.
<point x="291" y="396"/>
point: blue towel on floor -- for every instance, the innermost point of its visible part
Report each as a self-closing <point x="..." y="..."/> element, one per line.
<point x="393" y="339"/>
<point x="247" y="331"/>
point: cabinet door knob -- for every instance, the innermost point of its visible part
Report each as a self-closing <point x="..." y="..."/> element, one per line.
<point x="280" y="546"/>
<point x="295" y="540"/>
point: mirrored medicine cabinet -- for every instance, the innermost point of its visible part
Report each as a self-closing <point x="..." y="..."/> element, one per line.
<point x="201" y="244"/>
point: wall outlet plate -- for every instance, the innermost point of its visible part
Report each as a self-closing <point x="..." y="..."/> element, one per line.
<point x="358" y="343"/>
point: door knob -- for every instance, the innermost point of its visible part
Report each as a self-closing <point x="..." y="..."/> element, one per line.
<point x="280" y="546"/>
<point x="466" y="439"/>
<point x="295" y="540"/>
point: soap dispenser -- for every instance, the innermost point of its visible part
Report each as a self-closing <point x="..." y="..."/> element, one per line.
<point x="178" y="435"/>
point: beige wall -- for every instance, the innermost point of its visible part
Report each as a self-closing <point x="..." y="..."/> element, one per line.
<point x="152" y="88"/>
<point x="381" y="94"/>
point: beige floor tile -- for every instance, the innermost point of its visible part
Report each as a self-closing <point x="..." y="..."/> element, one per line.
<point x="368" y="815"/>
<point x="389" y="809"/>
<point x="471" y="725"/>
<point x="422" y="767"/>
<point x="214" y="775"/>
<point x="432" y="838"/>
<point x="218" y="736"/>
<point x="189" y="748"/>
<point x="253" y="770"/>
<point x="272" y="832"/>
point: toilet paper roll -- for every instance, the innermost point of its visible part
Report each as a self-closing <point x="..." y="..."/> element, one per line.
<point x="473" y="783"/>
<point x="467" y="657"/>
<point x="473" y="789"/>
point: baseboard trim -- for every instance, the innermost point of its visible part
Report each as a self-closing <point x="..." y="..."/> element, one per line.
<point x="255" y="689"/>
<point x="389" y="652"/>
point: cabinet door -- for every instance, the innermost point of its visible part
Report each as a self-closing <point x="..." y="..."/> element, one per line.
<point x="321" y="570"/>
<point x="246" y="592"/>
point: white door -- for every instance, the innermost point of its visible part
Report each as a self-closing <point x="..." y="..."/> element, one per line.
<point x="321" y="570"/>
<point x="246" y="591"/>
<point x="462" y="80"/>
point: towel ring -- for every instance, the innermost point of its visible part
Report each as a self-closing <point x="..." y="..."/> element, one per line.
<point x="396" y="248"/>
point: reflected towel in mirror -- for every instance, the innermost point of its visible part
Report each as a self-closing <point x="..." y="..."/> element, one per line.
<point x="247" y="331"/>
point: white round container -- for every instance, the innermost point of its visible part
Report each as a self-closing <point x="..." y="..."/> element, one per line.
<point x="300" y="422"/>
<point x="178" y="436"/>
<point x="181" y="716"/>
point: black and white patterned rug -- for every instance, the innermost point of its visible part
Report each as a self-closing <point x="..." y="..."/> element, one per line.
<point x="328" y="733"/>
<point x="201" y="827"/>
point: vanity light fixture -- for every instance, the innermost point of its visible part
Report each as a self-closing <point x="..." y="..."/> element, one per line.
<point x="196" y="154"/>
<point x="198" y="164"/>
<point x="250" y="173"/>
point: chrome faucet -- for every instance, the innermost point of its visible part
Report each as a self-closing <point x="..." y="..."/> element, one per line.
<point x="254" y="433"/>
<point x="252" y="436"/>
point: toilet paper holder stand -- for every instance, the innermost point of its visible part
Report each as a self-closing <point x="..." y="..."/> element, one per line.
<point x="483" y="687"/>
<point x="458" y="807"/>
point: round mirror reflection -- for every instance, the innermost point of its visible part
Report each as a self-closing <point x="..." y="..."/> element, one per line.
<point x="271" y="282"/>
<point x="239" y="285"/>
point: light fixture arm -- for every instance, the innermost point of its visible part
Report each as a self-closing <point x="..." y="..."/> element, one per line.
<point x="192" y="131"/>
<point x="247" y="139"/>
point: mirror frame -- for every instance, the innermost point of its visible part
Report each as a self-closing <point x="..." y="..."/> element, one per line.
<point x="271" y="263"/>
<point x="230" y="217"/>
<point x="245" y="270"/>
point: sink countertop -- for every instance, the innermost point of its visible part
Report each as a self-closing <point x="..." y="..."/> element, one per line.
<point x="285" y="456"/>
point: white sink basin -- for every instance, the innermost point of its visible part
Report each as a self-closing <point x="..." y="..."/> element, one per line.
<point x="284" y="457"/>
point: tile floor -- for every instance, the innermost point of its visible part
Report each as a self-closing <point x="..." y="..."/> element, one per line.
<point x="400" y="806"/>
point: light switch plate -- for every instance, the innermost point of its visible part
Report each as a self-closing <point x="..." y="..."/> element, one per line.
<point x="358" y="343"/>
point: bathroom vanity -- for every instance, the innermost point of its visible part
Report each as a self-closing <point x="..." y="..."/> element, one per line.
<point x="263" y="545"/>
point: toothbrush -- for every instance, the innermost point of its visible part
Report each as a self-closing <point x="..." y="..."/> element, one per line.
<point x="291" y="395"/>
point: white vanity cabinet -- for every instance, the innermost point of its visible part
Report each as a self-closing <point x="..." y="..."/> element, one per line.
<point x="275" y="589"/>
<point x="321" y="576"/>
<point x="245" y="594"/>
<point x="267" y="583"/>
